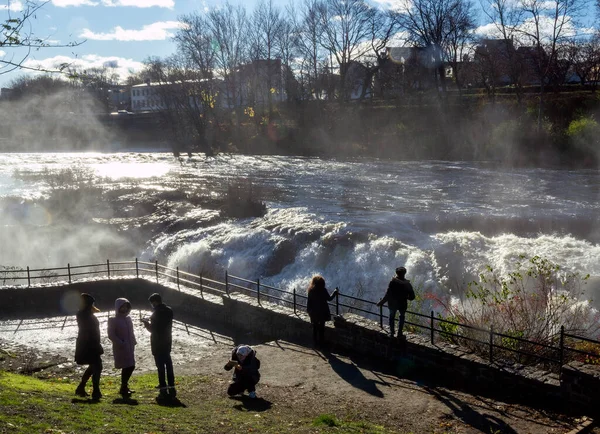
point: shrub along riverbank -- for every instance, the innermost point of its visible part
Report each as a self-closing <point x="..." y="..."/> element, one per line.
<point x="460" y="128"/>
<point x="470" y="126"/>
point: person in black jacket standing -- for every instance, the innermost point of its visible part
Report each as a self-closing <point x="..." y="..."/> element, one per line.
<point x="318" y="308"/>
<point x="160" y="326"/>
<point x="87" y="346"/>
<point x="397" y="295"/>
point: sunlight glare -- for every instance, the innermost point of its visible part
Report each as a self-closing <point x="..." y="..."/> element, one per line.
<point x="118" y="170"/>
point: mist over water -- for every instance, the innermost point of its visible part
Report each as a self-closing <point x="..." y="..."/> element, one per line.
<point x="352" y="221"/>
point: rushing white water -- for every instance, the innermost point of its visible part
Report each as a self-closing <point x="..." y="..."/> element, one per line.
<point x="352" y="221"/>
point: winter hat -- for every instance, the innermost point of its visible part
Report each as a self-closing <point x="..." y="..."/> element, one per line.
<point x="88" y="301"/>
<point x="242" y="352"/>
<point x="155" y="298"/>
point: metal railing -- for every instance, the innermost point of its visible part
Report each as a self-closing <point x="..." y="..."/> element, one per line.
<point x="497" y="346"/>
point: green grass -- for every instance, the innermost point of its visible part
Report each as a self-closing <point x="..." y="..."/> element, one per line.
<point x="31" y="405"/>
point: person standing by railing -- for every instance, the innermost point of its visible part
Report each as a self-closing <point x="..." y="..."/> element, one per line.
<point x="88" y="350"/>
<point x="120" y="332"/>
<point x="398" y="293"/>
<point x="160" y="326"/>
<point x="317" y="307"/>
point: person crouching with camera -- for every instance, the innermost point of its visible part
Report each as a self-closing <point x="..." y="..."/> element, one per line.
<point x="246" y="373"/>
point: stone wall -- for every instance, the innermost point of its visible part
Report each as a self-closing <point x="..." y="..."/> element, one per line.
<point x="577" y="389"/>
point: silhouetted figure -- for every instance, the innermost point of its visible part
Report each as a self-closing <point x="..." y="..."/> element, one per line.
<point x="317" y="307"/>
<point x="398" y="293"/>
<point x="120" y="332"/>
<point x="246" y="373"/>
<point x="160" y="326"/>
<point x="87" y="347"/>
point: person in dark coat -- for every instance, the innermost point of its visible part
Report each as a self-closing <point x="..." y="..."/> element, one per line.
<point x="317" y="307"/>
<point x="398" y="293"/>
<point x="88" y="350"/>
<point x="120" y="332"/>
<point x="246" y="373"/>
<point x="160" y="326"/>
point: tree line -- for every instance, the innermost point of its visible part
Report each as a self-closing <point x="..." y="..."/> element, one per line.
<point x="287" y="75"/>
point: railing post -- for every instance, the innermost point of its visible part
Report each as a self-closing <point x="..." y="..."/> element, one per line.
<point x="137" y="269"/>
<point x="337" y="303"/>
<point x="28" y="277"/>
<point x="258" y="290"/>
<point x="69" y="272"/>
<point x="108" y="267"/>
<point x="432" y="328"/>
<point x="156" y="269"/>
<point x="178" y="279"/>
<point x="562" y="346"/>
<point x="381" y="316"/>
<point x="226" y="282"/>
<point x="201" y="286"/>
<point x="491" y="344"/>
<point x="294" y="300"/>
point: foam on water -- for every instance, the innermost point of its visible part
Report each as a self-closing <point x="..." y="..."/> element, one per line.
<point x="352" y="221"/>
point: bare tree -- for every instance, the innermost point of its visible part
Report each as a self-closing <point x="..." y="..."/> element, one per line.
<point x="434" y="24"/>
<point x="382" y="27"/>
<point x="287" y="52"/>
<point x="266" y="27"/>
<point x="506" y="16"/>
<point x="228" y="26"/>
<point x="18" y="36"/>
<point x="307" y="37"/>
<point x="187" y="103"/>
<point x="196" y="44"/>
<point x="586" y="60"/>
<point x="459" y="39"/>
<point x="346" y="28"/>
<point x="546" y="26"/>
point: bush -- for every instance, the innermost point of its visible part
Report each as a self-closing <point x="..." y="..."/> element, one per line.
<point x="241" y="201"/>
<point x="584" y="135"/>
<point x="530" y="303"/>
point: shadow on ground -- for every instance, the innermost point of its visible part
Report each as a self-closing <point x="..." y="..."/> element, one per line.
<point x="251" y="404"/>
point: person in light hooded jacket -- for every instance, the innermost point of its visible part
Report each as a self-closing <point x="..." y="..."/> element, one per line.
<point x="120" y="332"/>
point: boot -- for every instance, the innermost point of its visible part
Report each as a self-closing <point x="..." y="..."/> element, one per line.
<point x="80" y="391"/>
<point x="96" y="395"/>
<point x="125" y="392"/>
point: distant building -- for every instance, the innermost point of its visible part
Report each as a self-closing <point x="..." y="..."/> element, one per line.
<point x="119" y="97"/>
<point x="405" y="69"/>
<point x="253" y="84"/>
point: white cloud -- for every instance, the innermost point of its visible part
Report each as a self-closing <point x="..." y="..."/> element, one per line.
<point x="121" y="66"/>
<point x="395" y="5"/>
<point x="141" y="3"/>
<point x="67" y="3"/>
<point x="170" y="4"/>
<point x="546" y="29"/>
<point x="153" y="32"/>
<point x="13" y="6"/>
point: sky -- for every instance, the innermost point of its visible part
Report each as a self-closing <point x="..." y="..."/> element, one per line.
<point x="116" y="33"/>
<point x="121" y="33"/>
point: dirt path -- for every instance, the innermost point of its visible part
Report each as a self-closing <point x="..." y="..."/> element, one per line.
<point x="301" y="378"/>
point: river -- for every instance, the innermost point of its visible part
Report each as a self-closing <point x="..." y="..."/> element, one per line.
<point x="353" y="221"/>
